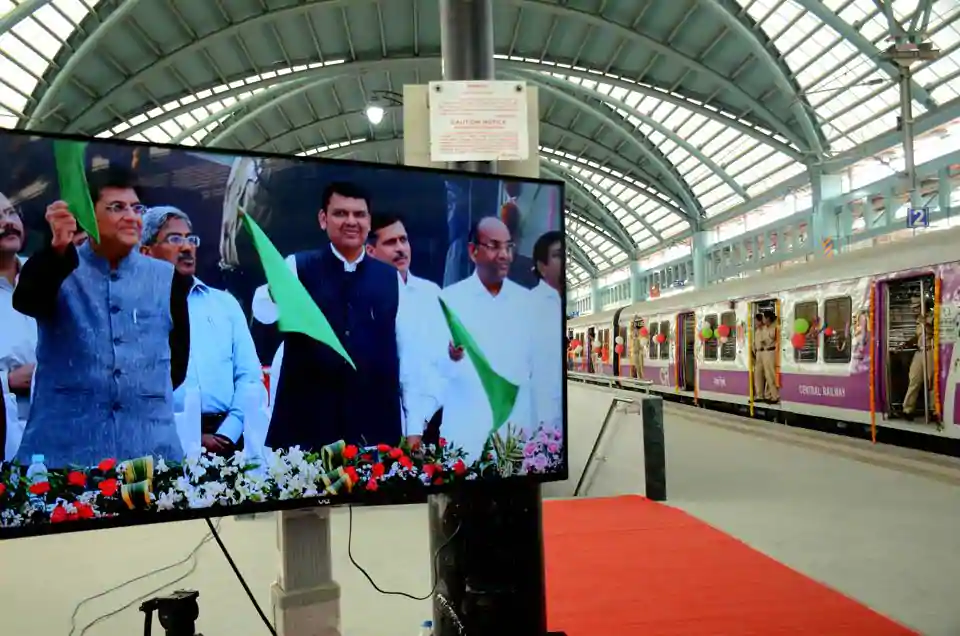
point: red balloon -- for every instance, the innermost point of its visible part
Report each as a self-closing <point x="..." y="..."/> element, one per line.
<point x="828" y="332"/>
<point x="605" y="354"/>
<point x="619" y="349"/>
<point x="798" y="340"/>
<point x="661" y="338"/>
<point x="723" y="331"/>
<point x="574" y="343"/>
<point x="644" y="332"/>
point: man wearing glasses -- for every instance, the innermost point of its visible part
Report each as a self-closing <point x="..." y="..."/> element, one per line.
<point x="114" y="336"/>
<point x="224" y="369"/>
<point x="497" y="313"/>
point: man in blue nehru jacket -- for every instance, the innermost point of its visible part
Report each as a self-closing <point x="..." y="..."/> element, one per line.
<point x="113" y="336"/>
<point x="320" y="399"/>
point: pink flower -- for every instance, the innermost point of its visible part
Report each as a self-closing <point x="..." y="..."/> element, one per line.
<point x="553" y="447"/>
<point x="540" y="462"/>
<point x="530" y="449"/>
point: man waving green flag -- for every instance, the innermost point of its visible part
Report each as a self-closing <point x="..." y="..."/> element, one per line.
<point x="71" y="175"/>
<point x="501" y="393"/>
<point x="297" y="311"/>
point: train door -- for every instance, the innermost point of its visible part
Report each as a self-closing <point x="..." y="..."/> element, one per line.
<point x="762" y="307"/>
<point x="688" y="342"/>
<point x="588" y="350"/>
<point x="906" y="383"/>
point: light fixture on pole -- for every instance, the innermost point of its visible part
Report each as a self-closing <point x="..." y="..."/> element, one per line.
<point x="378" y="104"/>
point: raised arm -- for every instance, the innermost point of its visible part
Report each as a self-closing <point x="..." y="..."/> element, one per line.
<point x="42" y="275"/>
<point x="263" y="308"/>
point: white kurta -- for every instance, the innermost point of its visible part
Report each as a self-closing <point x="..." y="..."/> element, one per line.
<point x="549" y="356"/>
<point x="502" y="327"/>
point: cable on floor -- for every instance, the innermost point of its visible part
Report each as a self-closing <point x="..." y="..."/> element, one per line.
<point x="436" y="564"/>
<point x="191" y="558"/>
<point x="243" y="581"/>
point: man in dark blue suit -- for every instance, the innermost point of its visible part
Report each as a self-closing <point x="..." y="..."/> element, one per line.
<point x="319" y="398"/>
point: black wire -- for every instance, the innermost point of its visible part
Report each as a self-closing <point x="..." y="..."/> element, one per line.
<point x="243" y="582"/>
<point x="436" y="564"/>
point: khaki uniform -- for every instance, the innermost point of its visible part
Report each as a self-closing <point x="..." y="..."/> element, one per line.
<point x="924" y="347"/>
<point x="636" y="357"/>
<point x="765" y="367"/>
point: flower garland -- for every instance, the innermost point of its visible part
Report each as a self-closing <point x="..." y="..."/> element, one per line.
<point x="203" y="480"/>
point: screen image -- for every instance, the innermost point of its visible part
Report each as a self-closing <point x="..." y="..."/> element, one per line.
<point x="186" y="332"/>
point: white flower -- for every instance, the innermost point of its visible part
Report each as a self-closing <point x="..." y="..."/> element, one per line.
<point x="161" y="467"/>
<point x="168" y="500"/>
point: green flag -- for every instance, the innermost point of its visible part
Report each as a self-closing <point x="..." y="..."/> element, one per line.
<point x="297" y="311"/>
<point x="501" y="393"/>
<point x="71" y="173"/>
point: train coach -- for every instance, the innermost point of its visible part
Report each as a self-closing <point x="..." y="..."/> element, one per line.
<point x="848" y="339"/>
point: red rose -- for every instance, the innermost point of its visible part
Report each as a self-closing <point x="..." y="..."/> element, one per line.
<point x="366" y="458"/>
<point x="383" y="448"/>
<point x="106" y="465"/>
<point x="372" y="485"/>
<point x="351" y="472"/>
<point x="438" y="481"/>
<point x="442" y="442"/>
<point x="459" y="468"/>
<point x="108" y="487"/>
<point x="76" y="478"/>
<point x="432" y="469"/>
<point x="378" y="470"/>
<point x="3" y="489"/>
<point x="350" y="452"/>
<point x="59" y="515"/>
<point x="406" y="462"/>
<point x="84" y="511"/>
<point x="40" y="488"/>
<point x="395" y="453"/>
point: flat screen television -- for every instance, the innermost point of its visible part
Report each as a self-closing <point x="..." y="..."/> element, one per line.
<point x="187" y="332"/>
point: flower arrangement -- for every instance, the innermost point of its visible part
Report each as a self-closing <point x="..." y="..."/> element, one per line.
<point x="204" y="480"/>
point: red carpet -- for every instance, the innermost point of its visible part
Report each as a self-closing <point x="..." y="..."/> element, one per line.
<point x="625" y="565"/>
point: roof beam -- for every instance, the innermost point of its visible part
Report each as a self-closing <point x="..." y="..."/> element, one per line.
<point x="578" y="255"/>
<point x="20" y="13"/>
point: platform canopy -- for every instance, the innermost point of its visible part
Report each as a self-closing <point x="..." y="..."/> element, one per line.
<point x="658" y="114"/>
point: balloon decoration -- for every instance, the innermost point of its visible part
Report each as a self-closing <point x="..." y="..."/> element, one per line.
<point x="723" y="339"/>
<point x="644" y="332"/>
<point x="619" y="349"/>
<point x="798" y="340"/>
<point x="574" y="344"/>
<point x="724" y="332"/>
<point x="661" y="338"/>
<point x="801" y="326"/>
<point x="605" y="354"/>
<point x="578" y="350"/>
<point x="707" y="332"/>
<point x="618" y="340"/>
<point x="828" y="331"/>
<point x="597" y="344"/>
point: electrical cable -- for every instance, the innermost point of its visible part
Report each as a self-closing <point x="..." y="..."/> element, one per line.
<point x="436" y="564"/>
<point x="191" y="558"/>
<point x="243" y="581"/>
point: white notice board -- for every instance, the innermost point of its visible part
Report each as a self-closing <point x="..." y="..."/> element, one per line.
<point x="478" y="121"/>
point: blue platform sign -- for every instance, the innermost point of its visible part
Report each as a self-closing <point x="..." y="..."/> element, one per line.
<point x="918" y="217"/>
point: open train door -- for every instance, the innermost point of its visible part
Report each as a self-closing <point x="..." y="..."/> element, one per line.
<point x="687" y="363"/>
<point x="761" y="307"/>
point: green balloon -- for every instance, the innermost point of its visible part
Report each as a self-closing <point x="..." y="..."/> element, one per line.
<point x="800" y="325"/>
<point x="707" y="333"/>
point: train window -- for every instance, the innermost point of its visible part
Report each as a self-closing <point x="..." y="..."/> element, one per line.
<point x="710" y="346"/>
<point x="728" y="349"/>
<point x="808" y="310"/>
<point x="836" y="315"/>
<point x="654" y="345"/>
<point x="665" y="347"/>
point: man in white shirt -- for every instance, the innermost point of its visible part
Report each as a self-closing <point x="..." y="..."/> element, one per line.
<point x="549" y="356"/>
<point x="389" y="242"/>
<point x="223" y="369"/>
<point x="18" y="334"/>
<point x="498" y="314"/>
<point x="319" y="399"/>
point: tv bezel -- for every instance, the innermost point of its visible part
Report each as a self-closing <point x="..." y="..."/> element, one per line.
<point x="417" y="495"/>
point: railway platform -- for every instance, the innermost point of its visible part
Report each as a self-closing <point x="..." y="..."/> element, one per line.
<point x="875" y="523"/>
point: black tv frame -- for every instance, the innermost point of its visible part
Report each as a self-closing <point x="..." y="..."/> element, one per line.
<point x="416" y="495"/>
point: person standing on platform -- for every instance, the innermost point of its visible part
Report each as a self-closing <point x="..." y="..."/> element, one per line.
<point x="765" y="354"/>
<point x="114" y="336"/>
<point x="319" y="398"/>
<point x="224" y="368"/>
<point x="496" y="313"/>
<point x="548" y="326"/>
<point x="389" y="243"/>
<point x="921" y="365"/>
<point x="18" y="334"/>
<point x="636" y="352"/>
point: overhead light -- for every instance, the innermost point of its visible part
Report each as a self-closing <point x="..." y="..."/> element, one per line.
<point x="375" y="114"/>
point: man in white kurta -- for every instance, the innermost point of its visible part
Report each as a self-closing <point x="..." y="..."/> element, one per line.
<point x="498" y="315"/>
<point x="549" y="356"/>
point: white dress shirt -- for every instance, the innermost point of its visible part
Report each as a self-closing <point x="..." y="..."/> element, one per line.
<point x="503" y="329"/>
<point x="419" y="391"/>
<point x="549" y="355"/>
<point x="18" y="346"/>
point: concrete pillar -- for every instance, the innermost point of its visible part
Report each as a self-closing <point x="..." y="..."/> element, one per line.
<point x="826" y="188"/>
<point x="699" y="257"/>
<point x="636" y="282"/>
<point x="596" y="300"/>
<point x="306" y="599"/>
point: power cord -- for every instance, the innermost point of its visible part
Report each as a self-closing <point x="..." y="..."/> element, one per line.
<point x="436" y="564"/>
<point x="191" y="558"/>
<point x="243" y="582"/>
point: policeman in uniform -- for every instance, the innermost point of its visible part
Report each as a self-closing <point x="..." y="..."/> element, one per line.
<point x="636" y="352"/>
<point x="765" y="354"/>
<point x="919" y="366"/>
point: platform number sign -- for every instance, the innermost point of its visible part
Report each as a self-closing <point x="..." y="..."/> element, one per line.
<point x="918" y="217"/>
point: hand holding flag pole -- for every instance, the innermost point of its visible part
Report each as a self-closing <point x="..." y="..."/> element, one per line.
<point x="72" y="178"/>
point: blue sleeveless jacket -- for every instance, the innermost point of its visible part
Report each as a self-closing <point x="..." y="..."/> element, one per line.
<point x="320" y="399"/>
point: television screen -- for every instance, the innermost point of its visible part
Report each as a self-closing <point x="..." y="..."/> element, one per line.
<point x="186" y="332"/>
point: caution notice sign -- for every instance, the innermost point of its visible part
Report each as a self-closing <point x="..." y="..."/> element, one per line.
<point x="478" y="121"/>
